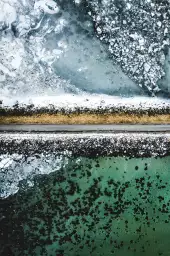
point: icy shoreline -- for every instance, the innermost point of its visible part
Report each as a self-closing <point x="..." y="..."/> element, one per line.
<point x="90" y="144"/>
<point x="43" y="153"/>
<point x="94" y="102"/>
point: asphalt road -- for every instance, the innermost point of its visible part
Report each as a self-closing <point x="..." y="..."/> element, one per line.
<point x="84" y="128"/>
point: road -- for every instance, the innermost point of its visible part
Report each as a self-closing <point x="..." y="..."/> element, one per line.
<point x="84" y="128"/>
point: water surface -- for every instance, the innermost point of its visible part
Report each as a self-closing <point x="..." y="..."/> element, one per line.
<point x="91" y="206"/>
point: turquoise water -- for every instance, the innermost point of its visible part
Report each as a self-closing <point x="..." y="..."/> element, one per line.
<point x="102" y="206"/>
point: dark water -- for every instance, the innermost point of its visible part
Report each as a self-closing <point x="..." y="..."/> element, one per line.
<point x="102" y="206"/>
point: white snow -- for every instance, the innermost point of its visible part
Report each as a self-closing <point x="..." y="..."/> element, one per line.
<point x="48" y="6"/>
<point x="8" y="13"/>
<point x="15" y="168"/>
<point x="92" y="101"/>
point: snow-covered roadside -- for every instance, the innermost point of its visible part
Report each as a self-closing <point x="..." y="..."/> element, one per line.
<point x="87" y="101"/>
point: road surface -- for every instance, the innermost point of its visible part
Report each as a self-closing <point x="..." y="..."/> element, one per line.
<point x="84" y="128"/>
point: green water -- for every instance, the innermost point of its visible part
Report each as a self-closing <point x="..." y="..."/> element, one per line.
<point x="102" y="206"/>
